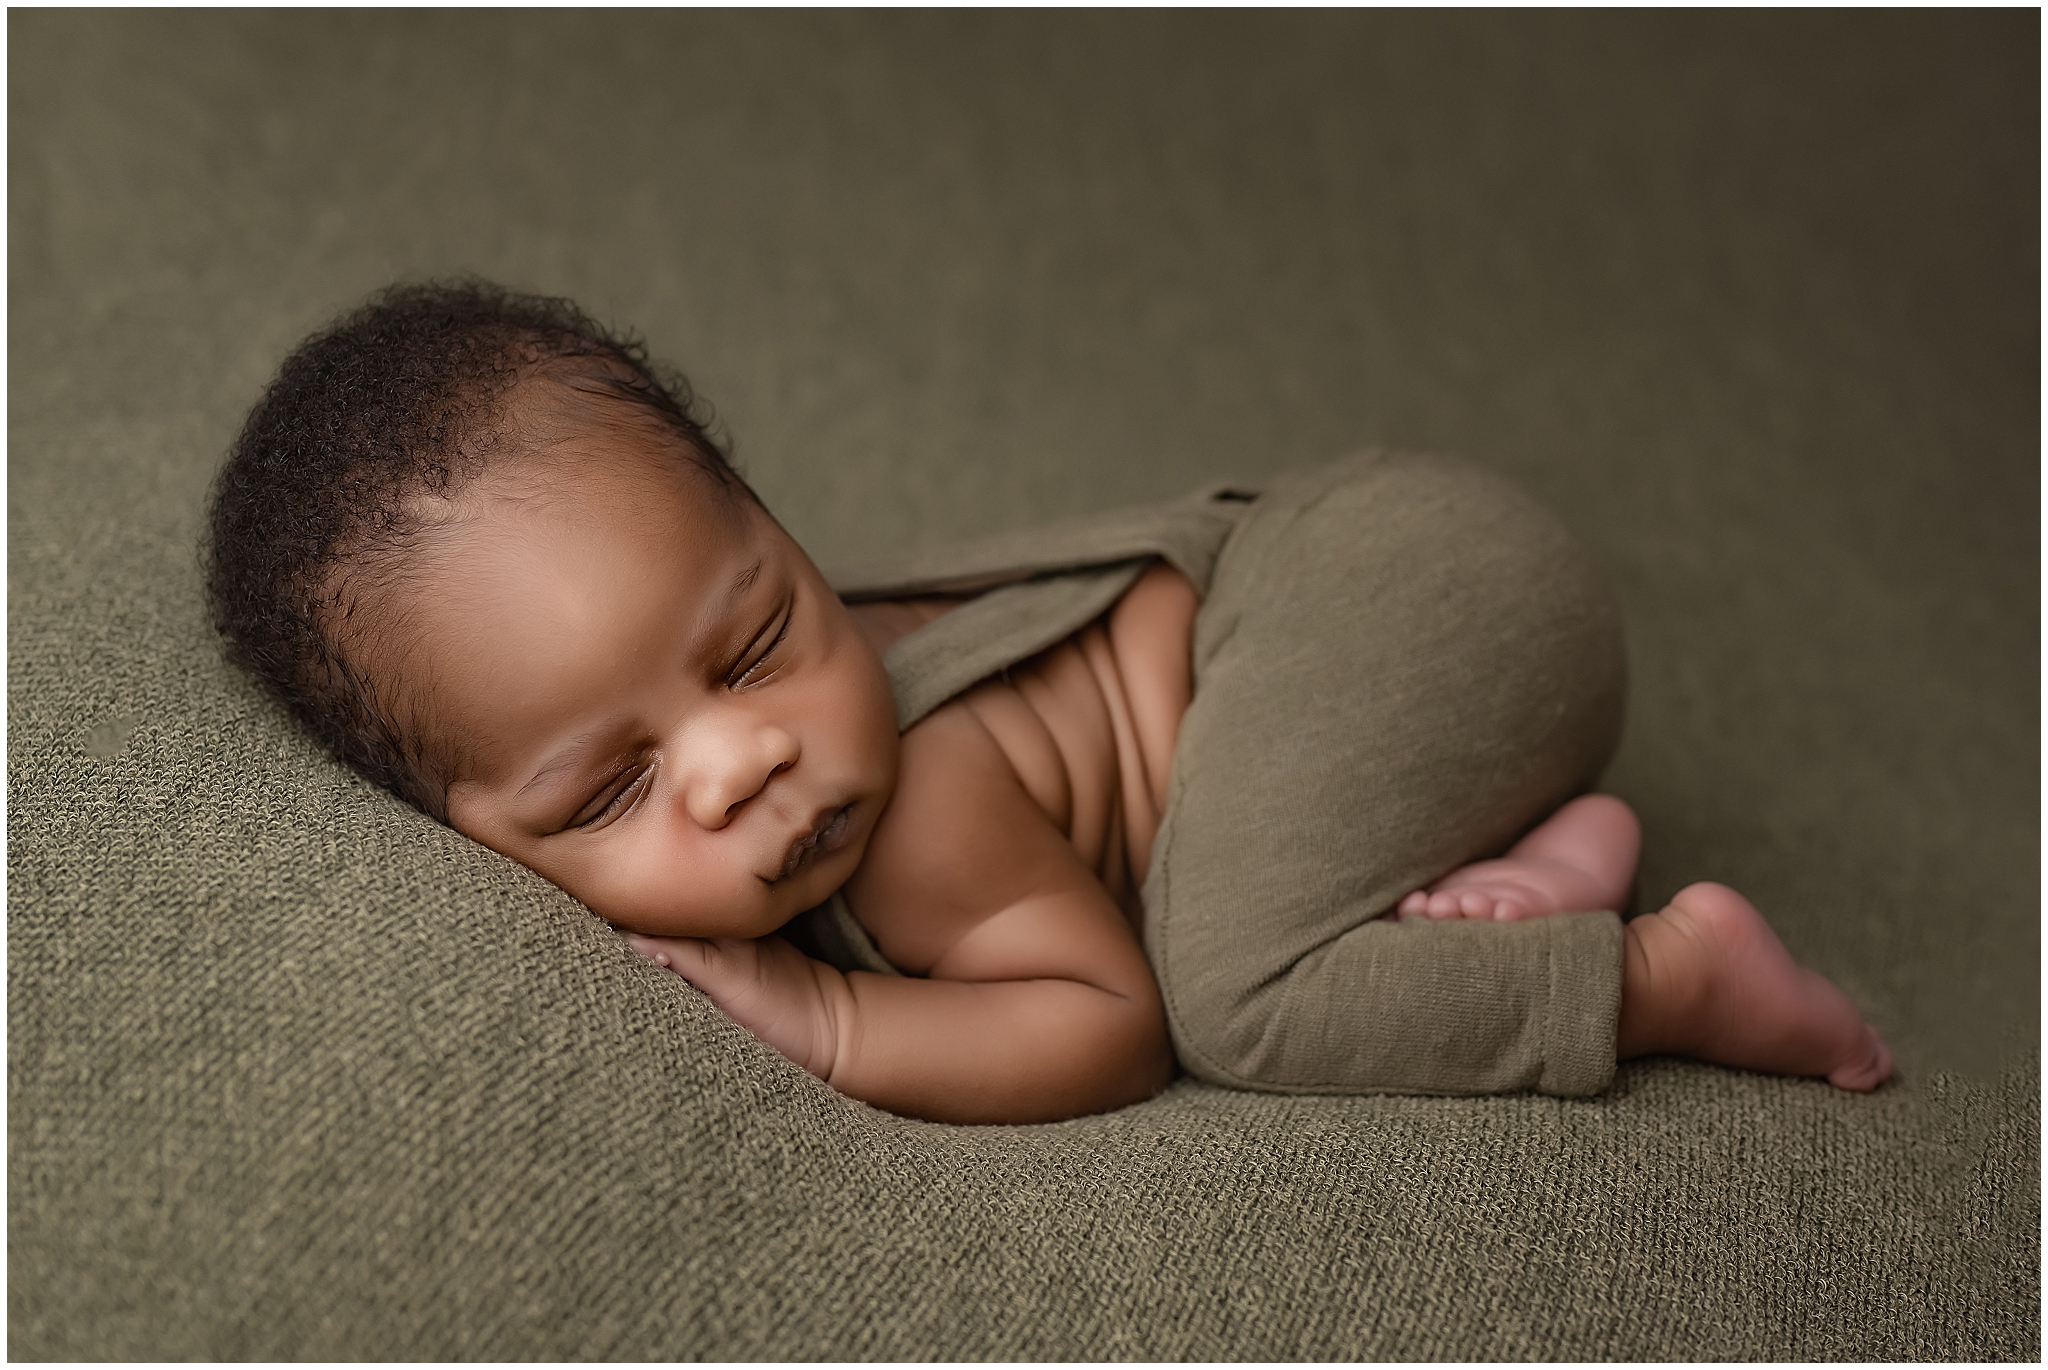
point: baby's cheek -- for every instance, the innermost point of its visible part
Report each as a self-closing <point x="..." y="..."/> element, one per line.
<point x="619" y="886"/>
<point x="879" y="741"/>
<point x="708" y="898"/>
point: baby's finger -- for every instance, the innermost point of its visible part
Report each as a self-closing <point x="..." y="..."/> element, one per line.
<point x="671" y="952"/>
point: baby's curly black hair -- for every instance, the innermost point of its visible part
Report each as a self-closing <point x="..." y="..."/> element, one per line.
<point x="371" y="424"/>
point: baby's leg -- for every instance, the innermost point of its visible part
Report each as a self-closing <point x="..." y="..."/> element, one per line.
<point x="1582" y="857"/>
<point x="1707" y="977"/>
<point x="1401" y="664"/>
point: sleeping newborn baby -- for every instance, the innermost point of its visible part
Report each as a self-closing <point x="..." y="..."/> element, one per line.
<point x="493" y="559"/>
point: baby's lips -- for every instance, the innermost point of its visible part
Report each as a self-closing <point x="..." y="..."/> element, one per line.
<point x="827" y="833"/>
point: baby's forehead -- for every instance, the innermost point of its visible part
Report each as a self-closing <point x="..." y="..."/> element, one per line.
<point x="553" y="571"/>
<point x="602" y="465"/>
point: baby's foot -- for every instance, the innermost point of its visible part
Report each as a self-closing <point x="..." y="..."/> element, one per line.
<point x="1582" y="857"/>
<point x="1707" y="977"/>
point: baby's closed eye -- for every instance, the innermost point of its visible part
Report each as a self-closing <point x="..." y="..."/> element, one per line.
<point x="613" y="799"/>
<point x="764" y="654"/>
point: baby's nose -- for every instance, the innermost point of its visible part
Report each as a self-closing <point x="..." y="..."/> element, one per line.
<point x="734" y="769"/>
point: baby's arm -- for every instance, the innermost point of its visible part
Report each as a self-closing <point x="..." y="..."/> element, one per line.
<point x="1030" y="998"/>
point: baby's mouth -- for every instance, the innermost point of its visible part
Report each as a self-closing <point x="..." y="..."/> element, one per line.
<point x="828" y="835"/>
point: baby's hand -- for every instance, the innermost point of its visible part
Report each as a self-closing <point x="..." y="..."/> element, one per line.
<point x="766" y="986"/>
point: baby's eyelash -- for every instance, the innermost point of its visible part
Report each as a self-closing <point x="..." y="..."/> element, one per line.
<point x="619" y="802"/>
<point x="761" y="660"/>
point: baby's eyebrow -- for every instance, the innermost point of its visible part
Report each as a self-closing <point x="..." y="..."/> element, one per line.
<point x="743" y="582"/>
<point x="573" y="756"/>
<point x="728" y="605"/>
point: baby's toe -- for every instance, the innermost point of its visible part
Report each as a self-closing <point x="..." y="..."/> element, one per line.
<point x="1509" y="910"/>
<point x="1416" y="903"/>
<point x="1473" y="904"/>
<point x="1443" y="904"/>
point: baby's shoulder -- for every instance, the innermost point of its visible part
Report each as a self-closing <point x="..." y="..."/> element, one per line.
<point x="960" y="840"/>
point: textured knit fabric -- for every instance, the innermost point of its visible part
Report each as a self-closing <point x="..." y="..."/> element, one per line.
<point x="1749" y="299"/>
